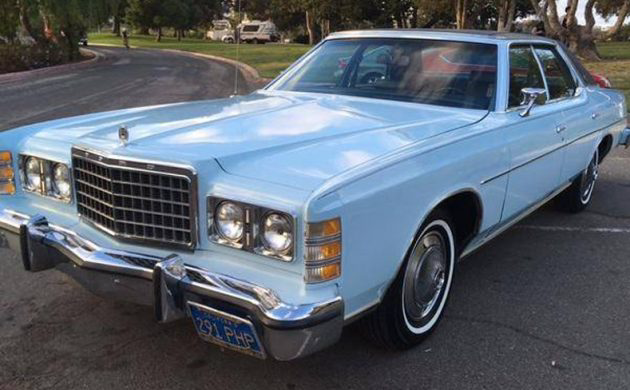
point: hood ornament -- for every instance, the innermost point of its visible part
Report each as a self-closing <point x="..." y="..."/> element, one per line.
<point x="123" y="135"/>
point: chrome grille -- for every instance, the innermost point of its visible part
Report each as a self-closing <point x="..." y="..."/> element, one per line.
<point x="136" y="201"/>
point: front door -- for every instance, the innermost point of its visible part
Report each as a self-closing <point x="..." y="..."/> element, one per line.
<point x="535" y="142"/>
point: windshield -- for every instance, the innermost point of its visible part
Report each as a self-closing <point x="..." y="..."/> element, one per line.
<point x="454" y="74"/>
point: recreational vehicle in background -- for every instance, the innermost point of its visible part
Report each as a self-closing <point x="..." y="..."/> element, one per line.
<point x="258" y="32"/>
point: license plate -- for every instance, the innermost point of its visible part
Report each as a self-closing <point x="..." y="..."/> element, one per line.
<point x="226" y="330"/>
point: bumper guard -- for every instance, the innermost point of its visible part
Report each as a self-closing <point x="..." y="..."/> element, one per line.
<point x="288" y="331"/>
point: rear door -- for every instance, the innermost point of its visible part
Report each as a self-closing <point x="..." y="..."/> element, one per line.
<point x="584" y="111"/>
<point x="536" y="147"/>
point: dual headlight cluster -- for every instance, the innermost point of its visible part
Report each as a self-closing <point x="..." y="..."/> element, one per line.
<point x="45" y="177"/>
<point x="252" y="228"/>
<point x="271" y="233"/>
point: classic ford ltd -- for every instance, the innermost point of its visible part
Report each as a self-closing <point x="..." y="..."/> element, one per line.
<point x="345" y="190"/>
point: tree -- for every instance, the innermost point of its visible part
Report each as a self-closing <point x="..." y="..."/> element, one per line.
<point x="146" y="14"/>
<point x="64" y="22"/>
<point x="9" y="20"/>
<point x="581" y="39"/>
<point x="461" y="9"/>
<point x="507" y="12"/>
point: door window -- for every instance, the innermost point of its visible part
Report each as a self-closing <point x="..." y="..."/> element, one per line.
<point x="524" y="73"/>
<point x="559" y="79"/>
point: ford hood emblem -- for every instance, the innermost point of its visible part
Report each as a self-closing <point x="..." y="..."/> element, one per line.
<point x="123" y="135"/>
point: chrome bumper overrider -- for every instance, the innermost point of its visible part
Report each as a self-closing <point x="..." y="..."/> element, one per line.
<point x="625" y="137"/>
<point x="287" y="331"/>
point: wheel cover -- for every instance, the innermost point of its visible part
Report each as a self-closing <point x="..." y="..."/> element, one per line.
<point x="425" y="278"/>
<point x="589" y="176"/>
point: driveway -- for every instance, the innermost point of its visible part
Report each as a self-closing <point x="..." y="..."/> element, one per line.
<point x="546" y="305"/>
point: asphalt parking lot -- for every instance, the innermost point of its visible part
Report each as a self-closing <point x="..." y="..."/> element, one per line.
<point x="545" y="305"/>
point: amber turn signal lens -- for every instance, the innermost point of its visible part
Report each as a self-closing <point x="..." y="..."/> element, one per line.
<point x="6" y="173"/>
<point x="323" y="229"/>
<point x="7" y="188"/>
<point x="323" y="273"/>
<point x="323" y="252"/>
<point x="5" y="157"/>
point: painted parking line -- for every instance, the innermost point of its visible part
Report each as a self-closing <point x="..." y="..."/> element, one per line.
<point x="575" y="229"/>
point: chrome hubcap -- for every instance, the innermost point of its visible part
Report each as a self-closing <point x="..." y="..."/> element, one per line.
<point x="588" y="178"/>
<point x="425" y="278"/>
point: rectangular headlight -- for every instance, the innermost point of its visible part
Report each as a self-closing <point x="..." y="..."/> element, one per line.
<point x="7" y="176"/>
<point x="323" y="251"/>
<point x="252" y="228"/>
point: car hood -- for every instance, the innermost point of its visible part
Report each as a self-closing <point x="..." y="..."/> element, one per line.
<point x="294" y="139"/>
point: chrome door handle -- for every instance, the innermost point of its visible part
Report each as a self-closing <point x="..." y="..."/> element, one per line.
<point x="595" y="115"/>
<point x="560" y="129"/>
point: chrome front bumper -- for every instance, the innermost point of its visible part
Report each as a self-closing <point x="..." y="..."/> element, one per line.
<point x="287" y="331"/>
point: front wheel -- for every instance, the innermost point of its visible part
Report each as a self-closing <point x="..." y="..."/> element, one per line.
<point x="578" y="196"/>
<point x="414" y="303"/>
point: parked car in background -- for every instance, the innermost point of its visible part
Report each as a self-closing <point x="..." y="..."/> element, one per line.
<point x="83" y="41"/>
<point x="221" y="31"/>
<point x="273" y="220"/>
<point x="258" y="32"/>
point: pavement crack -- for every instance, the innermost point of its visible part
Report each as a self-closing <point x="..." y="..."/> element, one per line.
<point x="529" y="335"/>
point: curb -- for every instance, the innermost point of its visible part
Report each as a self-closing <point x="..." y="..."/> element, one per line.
<point x="250" y="74"/>
<point x="17" y="76"/>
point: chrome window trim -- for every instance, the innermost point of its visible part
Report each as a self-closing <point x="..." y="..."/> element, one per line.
<point x="146" y="166"/>
<point x="542" y="72"/>
<point x="507" y="90"/>
<point x="578" y="81"/>
<point x="560" y="99"/>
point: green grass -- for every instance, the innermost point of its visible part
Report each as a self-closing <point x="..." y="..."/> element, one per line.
<point x="614" y="50"/>
<point x="615" y="65"/>
<point x="268" y="60"/>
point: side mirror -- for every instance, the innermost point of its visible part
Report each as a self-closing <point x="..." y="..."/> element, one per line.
<point x="530" y="95"/>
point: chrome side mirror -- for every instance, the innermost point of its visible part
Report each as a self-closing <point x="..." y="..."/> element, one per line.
<point x="530" y="95"/>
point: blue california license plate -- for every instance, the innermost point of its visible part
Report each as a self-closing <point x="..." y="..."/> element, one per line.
<point x="226" y="330"/>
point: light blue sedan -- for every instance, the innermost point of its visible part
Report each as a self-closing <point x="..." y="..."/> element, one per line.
<point x="274" y="219"/>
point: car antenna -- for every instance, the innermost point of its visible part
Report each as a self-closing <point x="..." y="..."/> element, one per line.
<point x="237" y="38"/>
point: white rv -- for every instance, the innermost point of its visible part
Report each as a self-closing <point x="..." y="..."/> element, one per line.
<point x="258" y="32"/>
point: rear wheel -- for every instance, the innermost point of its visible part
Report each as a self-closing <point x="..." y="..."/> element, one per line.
<point x="414" y="303"/>
<point x="578" y="196"/>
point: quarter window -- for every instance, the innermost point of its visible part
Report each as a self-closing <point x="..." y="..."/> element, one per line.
<point x="559" y="79"/>
<point x="524" y="73"/>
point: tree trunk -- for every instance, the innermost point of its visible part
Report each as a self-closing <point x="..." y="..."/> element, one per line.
<point x="116" y="26"/>
<point x="460" y="14"/>
<point x="309" y="27"/>
<point x="579" y="39"/>
<point x="621" y="18"/>
<point x="507" y="10"/>
<point x="25" y="22"/>
<point x="325" y="27"/>
<point x="158" y="37"/>
<point x="144" y="30"/>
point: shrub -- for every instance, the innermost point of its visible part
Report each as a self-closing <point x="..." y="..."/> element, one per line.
<point x="16" y="57"/>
